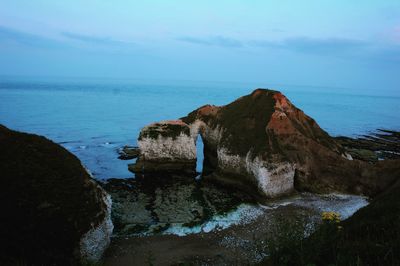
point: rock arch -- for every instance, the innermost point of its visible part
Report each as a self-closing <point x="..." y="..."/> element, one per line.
<point x="260" y="143"/>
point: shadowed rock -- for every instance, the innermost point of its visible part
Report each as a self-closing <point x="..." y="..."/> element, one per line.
<point x="155" y="203"/>
<point x="54" y="213"/>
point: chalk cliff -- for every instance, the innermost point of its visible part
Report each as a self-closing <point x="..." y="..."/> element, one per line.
<point x="54" y="213"/>
<point x="260" y="143"/>
<point x="166" y="146"/>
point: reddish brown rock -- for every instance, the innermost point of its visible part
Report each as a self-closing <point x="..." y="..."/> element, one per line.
<point x="262" y="143"/>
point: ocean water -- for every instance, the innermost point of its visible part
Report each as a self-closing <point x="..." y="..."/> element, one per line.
<point x="93" y="118"/>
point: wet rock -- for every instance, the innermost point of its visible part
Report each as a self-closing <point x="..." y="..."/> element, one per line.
<point x="381" y="145"/>
<point x="128" y="153"/>
<point x="54" y="213"/>
<point x="154" y="203"/>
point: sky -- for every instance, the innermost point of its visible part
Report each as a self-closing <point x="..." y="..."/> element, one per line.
<point x="318" y="43"/>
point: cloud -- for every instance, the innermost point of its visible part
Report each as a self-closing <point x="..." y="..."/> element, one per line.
<point x="265" y="43"/>
<point x="337" y="47"/>
<point x="105" y="41"/>
<point x="324" y="46"/>
<point x="213" y="41"/>
<point x="395" y="35"/>
<point x="11" y="38"/>
<point x="329" y="46"/>
<point x="27" y="39"/>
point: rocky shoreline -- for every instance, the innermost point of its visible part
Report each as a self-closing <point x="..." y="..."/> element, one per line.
<point x="341" y="164"/>
<point x="380" y="145"/>
<point x="242" y="241"/>
<point x="154" y="204"/>
<point x="266" y="163"/>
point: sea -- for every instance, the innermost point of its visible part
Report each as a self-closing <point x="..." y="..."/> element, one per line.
<point x="93" y="118"/>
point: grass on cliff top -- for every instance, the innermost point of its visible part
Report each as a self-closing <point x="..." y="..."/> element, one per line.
<point x="244" y="122"/>
<point x="164" y="130"/>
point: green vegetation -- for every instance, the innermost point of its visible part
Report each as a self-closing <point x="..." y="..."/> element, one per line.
<point x="244" y="121"/>
<point x="370" y="237"/>
<point x="165" y="130"/>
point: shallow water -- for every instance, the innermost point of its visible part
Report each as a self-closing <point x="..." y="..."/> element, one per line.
<point x="93" y="118"/>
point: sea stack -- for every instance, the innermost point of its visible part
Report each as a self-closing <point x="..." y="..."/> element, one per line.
<point x="54" y="213"/>
<point x="167" y="146"/>
<point x="260" y="143"/>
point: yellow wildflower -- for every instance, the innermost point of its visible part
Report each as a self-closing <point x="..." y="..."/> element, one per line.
<point x="331" y="217"/>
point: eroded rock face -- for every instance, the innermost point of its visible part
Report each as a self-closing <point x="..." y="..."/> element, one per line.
<point x="54" y="213"/>
<point x="95" y="241"/>
<point x="264" y="144"/>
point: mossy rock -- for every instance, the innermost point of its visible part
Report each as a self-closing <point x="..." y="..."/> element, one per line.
<point x="363" y="154"/>
<point x="166" y="130"/>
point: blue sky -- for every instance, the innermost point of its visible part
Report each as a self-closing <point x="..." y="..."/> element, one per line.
<point x="321" y="43"/>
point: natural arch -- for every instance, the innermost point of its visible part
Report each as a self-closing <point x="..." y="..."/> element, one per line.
<point x="199" y="154"/>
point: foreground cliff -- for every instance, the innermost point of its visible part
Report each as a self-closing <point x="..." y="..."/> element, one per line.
<point x="53" y="212"/>
<point x="260" y="143"/>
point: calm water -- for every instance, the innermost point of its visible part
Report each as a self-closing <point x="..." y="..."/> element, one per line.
<point x="93" y="118"/>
